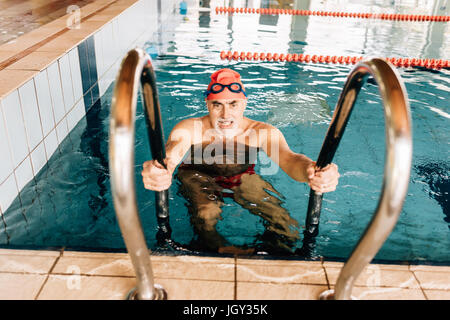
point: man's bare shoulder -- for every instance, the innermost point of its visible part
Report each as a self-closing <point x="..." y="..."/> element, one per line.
<point x="260" y="125"/>
<point x="188" y="124"/>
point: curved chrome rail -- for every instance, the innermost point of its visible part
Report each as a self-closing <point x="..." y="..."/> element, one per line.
<point x="396" y="170"/>
<point x="136" y="67"/>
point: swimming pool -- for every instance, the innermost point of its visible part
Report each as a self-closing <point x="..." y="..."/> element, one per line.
<point x="69" y="203"/>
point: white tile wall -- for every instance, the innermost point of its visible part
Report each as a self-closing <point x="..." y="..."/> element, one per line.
<point x="6" y="166"/>
<point x="15" y="127"/>
<point x="51" y="143"/>
<point x="62" y="130"/>
<point x="30" y="111"/>
<point x="76" y="114"/>
<point x="109" y="44"/>
<point x="24" y="173"/>
<point x="44" y="102"/>
<point x="56" y="92"/>
<point x="98" y="47"/>
<point x="8" y="192"/>
<point x="76" y="74"/>
<point x="38" y="158"/>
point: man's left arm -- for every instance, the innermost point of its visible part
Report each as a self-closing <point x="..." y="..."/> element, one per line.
<point x="298" y="166"/>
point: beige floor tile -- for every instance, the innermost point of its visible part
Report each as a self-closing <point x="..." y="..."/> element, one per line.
<point x="271" y="291"/>
<point x="104" y="266"/>
<point x="25" y="41"/>
<point x="169" y="267"/>
<point x="27" y="264"/>
<point x="267" y="262"/>
<point x="429" y="268"/>
<point x="395" y="267"/>
<point x="375" y="277"/>
<point x="437" y="294"/>
<point x="89" y="254"/>
<point x="404" y="267"/>
<point x="70" y="39"/>
<point x="333" y="264"/>
<point x="194" y="270"/>
<point x="62" y="287"/>
<point x="387" y="293"/>
<point x="197" y="289"/>
<point x="20" y="286"/>
<point x="93" y="7"/>
<point x="4" y="55"/>
<point x="41" y="253"/>
<point x="37" y="61"/>
<point x="192" y="259"/>
<point x="282" y="274"/>
<point x="53" y="27"/>
<point x="12" y="79"/>
<point x="433" y="280"/>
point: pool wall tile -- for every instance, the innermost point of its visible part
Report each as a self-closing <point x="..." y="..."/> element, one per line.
<point x="61" y="130"/>
<point x="40" y="109"/>
<point x="66" y="82"/>
<point x="30" y="111"/>
<point x="6" y="166"/>
<point x="76" y="74"/>
<point x="44" y="102"/>
<point x="15" y="127"/>
<point x="23" y="173"/>
<point x="98" y="46"/>
<point x="54" y="80"/>
<point x="8" y="192"/>
<point x="38" y="157"/>
<point x="51" y="143"/>
<point x="93" y="85"/>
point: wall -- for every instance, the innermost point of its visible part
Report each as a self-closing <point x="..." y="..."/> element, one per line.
<point x="37" y="116"/>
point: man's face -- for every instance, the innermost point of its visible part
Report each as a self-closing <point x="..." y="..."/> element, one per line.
<point x="226" y="115"/>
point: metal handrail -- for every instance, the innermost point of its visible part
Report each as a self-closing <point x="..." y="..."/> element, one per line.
<point x="136" y="68"/>
<point x="396" y="170"/>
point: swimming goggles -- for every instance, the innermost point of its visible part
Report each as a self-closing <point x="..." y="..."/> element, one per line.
<point x="218" y="87"/>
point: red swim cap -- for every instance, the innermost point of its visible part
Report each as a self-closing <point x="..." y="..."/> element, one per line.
<point x="225" y="76"/>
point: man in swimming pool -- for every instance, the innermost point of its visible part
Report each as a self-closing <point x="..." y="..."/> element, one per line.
<point x="220" y="163"/>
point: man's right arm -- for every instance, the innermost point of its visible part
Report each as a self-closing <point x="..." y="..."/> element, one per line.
<point x="154" y="175"/>
<point x="179" y="142"/>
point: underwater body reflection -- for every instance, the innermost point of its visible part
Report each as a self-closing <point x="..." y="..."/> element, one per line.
<point x="205" y="186"/>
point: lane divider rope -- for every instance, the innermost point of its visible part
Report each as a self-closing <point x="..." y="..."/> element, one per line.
<point x="398" y="62"/>
<point x="382" y="16"/>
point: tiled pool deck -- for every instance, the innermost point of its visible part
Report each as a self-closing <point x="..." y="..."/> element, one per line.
<point x="60" y="275"/>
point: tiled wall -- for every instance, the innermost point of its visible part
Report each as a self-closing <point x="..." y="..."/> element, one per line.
<point x="35" y="118"/>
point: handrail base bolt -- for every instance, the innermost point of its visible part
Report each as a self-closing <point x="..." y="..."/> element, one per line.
<point x="329" y="295"/>
<point x="160" y="293"/>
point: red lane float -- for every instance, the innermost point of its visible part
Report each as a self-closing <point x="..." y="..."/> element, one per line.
<point x="382" y="16"/>
<point x="398" y="62"/>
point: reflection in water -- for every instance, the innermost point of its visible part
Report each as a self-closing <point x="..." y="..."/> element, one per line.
<point x="436" y="175"/>
<point x="205" y="187"/>
<point x="92" y="147"/>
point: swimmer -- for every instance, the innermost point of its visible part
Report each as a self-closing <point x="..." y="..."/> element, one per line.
<point x="221" y="149"/>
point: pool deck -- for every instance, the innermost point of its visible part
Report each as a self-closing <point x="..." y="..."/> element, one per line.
<point x="71" y="275"/>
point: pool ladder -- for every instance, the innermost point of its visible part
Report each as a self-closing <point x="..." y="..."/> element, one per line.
<point x="136" y="69"/>
<point x="396" y="170"/>
<point x="137" y="66"/>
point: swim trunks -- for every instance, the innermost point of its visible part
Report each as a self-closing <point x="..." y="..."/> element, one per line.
<point x="234" y="181"/>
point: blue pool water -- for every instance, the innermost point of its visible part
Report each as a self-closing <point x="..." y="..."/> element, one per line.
<point x="69" y="204"/>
